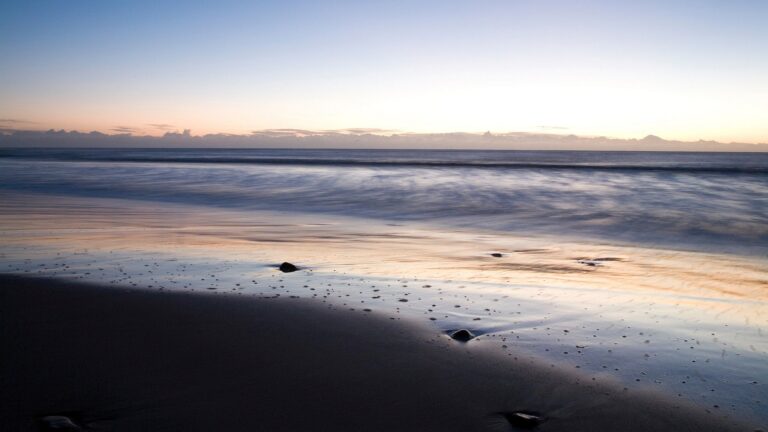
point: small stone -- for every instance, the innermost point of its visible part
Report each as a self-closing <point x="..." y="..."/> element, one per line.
<point x="287" y="267"/>
<point x="62" y="423"/>
<point x="497" y="255"/>
<point x="524" y="420"/>
<point x="462" y="335"/>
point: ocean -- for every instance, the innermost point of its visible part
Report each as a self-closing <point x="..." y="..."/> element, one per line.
<point x="702" y="201"/>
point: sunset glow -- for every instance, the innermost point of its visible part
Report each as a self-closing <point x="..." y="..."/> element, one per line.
<point x="682" y="70"/>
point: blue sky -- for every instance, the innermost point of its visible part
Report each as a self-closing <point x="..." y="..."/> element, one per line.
<point x="679" y="69"/>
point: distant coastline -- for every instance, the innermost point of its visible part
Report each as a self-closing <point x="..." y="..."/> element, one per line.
<point x="363" y="139"/>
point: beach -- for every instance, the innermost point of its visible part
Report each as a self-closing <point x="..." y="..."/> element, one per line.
<point x="142" y="290"/>
<point x="500" y="216"/>
<point x="121" y="359"/>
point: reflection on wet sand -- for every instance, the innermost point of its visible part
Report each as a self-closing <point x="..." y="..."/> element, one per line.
<point x="365" y="247"/>
<point x="688" y="323"/>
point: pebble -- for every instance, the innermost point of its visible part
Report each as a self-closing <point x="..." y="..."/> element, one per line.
<point x="62" y="423"/>
<point x="287" y="267"/>
<point x="462" y="335"/>
<point x="524" y="420"/>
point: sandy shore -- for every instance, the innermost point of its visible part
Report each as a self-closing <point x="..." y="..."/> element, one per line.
<point x="135" y="360"/>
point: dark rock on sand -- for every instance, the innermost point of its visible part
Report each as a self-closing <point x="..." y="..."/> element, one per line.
<point x="58" y="423"/>
<point x="287" y="267"/>
<point x="462" y="335"/>
<point x="524" y="419"/>
<point x="496" y="255"/>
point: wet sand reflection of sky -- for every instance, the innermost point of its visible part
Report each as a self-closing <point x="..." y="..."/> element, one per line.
<point x="690" y="324"/>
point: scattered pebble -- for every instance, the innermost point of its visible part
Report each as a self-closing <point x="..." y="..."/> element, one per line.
<point x="462" y="335"/>
<point x="524" y="419"/>
<point x="58" y="423"/>
<point x="287" y="267"/>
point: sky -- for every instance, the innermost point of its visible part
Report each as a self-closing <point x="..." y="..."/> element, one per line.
<point x="682" y="70"/>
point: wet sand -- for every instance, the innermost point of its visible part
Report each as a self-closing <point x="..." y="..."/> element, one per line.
<point x="126" y="360"/>
<point x="686" y="324"/>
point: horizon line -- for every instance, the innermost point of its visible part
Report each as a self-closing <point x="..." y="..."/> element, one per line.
<point x="353" y="131"/>
<point x="364" y="138"/>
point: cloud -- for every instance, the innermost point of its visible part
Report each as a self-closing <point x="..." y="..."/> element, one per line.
<point x="10" y="126"/>
<point x="344" y="139"/>
<point x="363" y="131"/>
<point x="16" y="121"/>
<point x="285" y="132"/>
<point x="124" y="129"/>
<point x="324" y="132"/>
<point x="162" y="126"/>
<point x="553" y="128"/>
<point x="186" y="134"/>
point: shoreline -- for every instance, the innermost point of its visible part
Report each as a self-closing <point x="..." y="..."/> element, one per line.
<point x="130" y="359"/>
